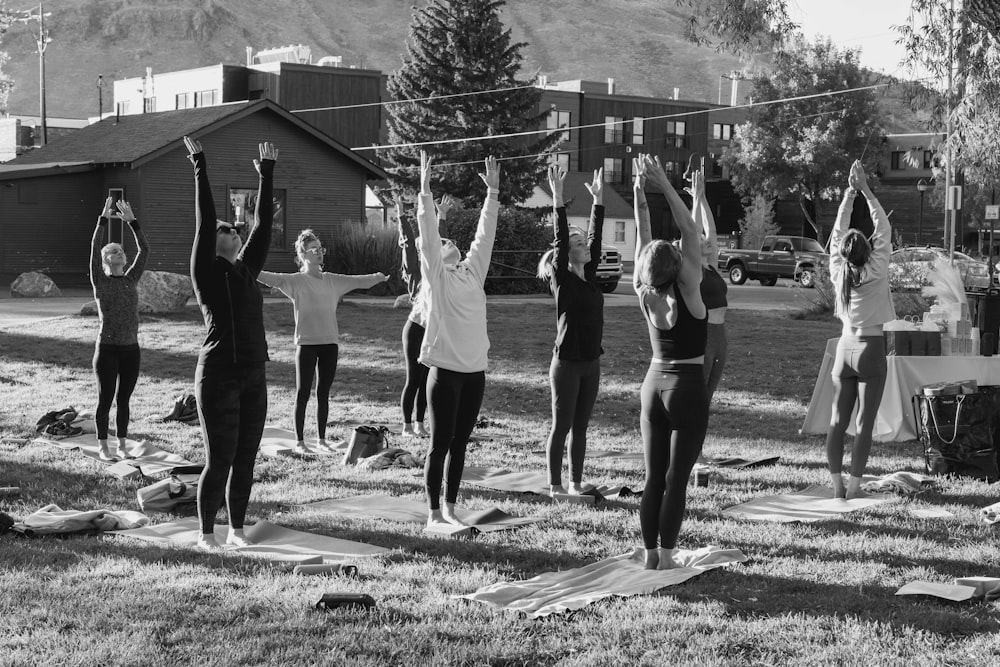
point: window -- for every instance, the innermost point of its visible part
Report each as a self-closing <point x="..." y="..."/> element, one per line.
<point x="122" y="108"/>
<point x="183" y="101"/>
<point x="638" y="130"/>
<point x="560" y="160"/>
<point x="722" y="131"/>
<point x="676" y="130"/>
<point x="148" y="104"/>
<point x="619" y="231"/>
<point x="931" y="160"/>
<point x="242" y="206"/>
<point x="613" y="170"/>
<point x="557" y="119"/>
<point x="205" y="98"/>
<point x="782" y="246"/>
<point x="717" y="171"/>
<point x="613" y="131"/>
<point x="898" y="160"/>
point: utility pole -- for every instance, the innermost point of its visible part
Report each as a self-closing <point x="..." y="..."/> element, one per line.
<point x="42" y="41"/>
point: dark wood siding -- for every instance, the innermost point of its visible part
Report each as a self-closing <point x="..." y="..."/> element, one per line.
<point x="311" y="87"/>
<point x="46" y="225"/>
<point x="566" y="101"/>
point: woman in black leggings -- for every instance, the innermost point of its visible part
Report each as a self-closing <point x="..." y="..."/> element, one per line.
<point x="116" y="357"/>
<point x="414" y="394"/>
<point x="575" y="373"/>
<point x="674" y="402"/>
<point x="230" y="382"/>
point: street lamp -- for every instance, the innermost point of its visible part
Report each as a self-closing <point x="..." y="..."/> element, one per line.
<point x="922" y="187"/>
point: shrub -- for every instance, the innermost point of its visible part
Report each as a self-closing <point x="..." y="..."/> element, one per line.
<point x="366" y="248"/>
<point x="820" y="301"/>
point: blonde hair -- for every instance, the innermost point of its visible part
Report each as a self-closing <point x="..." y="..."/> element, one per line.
<point x="547" y="264"/>
<point x="104" y="255"/>
<point x="306" y="236"/>
<point x="658" y="265"/>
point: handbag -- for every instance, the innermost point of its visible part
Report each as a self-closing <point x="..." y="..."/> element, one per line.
<point x="365" y="441"/>
<point x="957" y="434"/>
<point x="169" y="494"/>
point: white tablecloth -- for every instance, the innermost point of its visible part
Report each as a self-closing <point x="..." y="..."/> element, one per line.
<point x="895" y="420"/>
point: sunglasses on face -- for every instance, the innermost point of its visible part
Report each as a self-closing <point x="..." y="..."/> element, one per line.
<point x="319" y="250"/>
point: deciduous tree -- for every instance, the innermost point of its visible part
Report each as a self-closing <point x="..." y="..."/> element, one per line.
<point x="6" y="83"/>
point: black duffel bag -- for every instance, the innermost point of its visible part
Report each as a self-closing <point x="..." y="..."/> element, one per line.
<point x="958" y="434"/>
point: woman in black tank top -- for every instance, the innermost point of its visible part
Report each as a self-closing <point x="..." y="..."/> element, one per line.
<point x="674" y="402"/>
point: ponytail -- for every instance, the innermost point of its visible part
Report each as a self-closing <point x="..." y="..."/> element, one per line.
<point x="856" y="250"/>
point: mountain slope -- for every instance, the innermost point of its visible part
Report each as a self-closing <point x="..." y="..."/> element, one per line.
<point x="639" y="43"/>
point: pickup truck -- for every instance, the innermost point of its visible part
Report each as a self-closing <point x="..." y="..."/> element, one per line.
<point x="794" y="257"/>
<point x="609" y="269"/>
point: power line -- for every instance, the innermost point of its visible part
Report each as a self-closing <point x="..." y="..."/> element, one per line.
<point x="416" y="99"/>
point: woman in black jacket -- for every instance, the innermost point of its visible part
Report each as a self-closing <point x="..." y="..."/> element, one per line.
<point x="230" y="383"/>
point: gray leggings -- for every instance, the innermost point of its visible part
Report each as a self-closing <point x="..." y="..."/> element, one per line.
<point x="574" y="392"/>
<point x="858" y="377"/>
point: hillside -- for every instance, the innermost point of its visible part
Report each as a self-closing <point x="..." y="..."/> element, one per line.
<point x="641" y="48"/>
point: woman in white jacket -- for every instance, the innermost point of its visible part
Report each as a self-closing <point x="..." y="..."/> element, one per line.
<point x="455" y="342"/>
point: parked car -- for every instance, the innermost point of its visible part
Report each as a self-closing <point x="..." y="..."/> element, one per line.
<point x="795" y="257"/>
<point x="609" y="271"/>
<point x="909" y="268"/>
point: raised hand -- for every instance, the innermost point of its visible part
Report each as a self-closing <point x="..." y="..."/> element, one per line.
<point x="655" y="171"/>
<point x="557" y="178"/>
<point x="267" y="152"/>
<point x="639" y="173"/>
<point x="857" y="178"/>
<point x="398" y="200"/>
<point x="109" y="208"/>
<point x="596" y="188"/>
<point x="425" y="173"/>
<point x="125" y="211"/>
<point x="492" y="176"/>
<point x="697" y="189"/>
<point x="193" y="148"/>
<point x="444" y="206"/>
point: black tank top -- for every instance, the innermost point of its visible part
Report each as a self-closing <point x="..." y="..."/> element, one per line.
<point x="685" y="340"/>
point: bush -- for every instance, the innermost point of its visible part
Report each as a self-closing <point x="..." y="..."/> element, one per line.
<point x="367" y="248"/>
<point x="522" y="237"/>
<point x="820" y="301"/>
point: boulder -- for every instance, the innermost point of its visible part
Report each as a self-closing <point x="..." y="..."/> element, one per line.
<point x="89" y="309"/>
<point x="34" y="284"/>
<point x="163" y="292"/>
<point x="402" y="301"/>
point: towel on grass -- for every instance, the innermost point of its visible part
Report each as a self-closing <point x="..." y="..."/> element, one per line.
<point x="148" y="458"/>
<point x="396" y="429"/>
<point x="269" y="540"/>
<point x="622" y="576"/>
<point x="955" y="593"/>
<point x="51" y="520"/>
<point x="414" y="511"/>
<point x="814" y="503"/>
<point x="536" y="482"/>
<point x="280" y="442"/>
<point x="905" y="483"/>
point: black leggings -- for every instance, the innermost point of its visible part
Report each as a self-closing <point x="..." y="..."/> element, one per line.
<point x="454" y="399"/>
<point x="307" y="359"/>
<point x="674" y="420"/>
<point x="574" y="392"/>
<point x="415" y="388"/>
<point x="116" y="366"/>
<point x="232" y="405"/>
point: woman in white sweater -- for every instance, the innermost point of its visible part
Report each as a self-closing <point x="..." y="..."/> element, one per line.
<point x="859" y="271"/>
<point x="315" y="294"/>
<point x="455" y="343"/>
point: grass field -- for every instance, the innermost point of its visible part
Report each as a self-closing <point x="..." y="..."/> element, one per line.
<point x="811" y="594"/>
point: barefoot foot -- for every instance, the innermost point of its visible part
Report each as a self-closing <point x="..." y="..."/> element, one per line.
<point x="651" y="559"/>
<point x="237" y="538"/>
<point x="207" y="542"/>
<point x="449" y="515"/>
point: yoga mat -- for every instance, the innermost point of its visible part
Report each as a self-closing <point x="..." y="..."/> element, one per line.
<point x="280" y="442"/>
<point x="622" y="576"/>
<point x="946" y="591"/>
<point x="535" y="482"/>
<point x="148" y="458"/>
<point x="601" y="454"/>
<point x="736" y="462"/>
<point x="270" y="540"/>
<point x="813" y="503"/>
<point x="403" y="510"/>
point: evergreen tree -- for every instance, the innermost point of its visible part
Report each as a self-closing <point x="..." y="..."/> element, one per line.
<point x="6" y="83"/>
<point x="461" y="46"/>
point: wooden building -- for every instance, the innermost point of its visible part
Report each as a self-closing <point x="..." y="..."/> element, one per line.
<point x="51" y="197"/>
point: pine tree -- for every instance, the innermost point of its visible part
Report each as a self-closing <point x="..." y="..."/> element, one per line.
<point x="461" y="46"/>
<point x="6" y="83"/>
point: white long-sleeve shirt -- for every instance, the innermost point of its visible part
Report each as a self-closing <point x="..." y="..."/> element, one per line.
<point x="871" y="300"/>
<point x="314" y="300"/>
<point x="455" y="338"/>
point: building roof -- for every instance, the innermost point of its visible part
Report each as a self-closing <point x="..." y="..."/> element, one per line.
<point x="578" y="198"/>
<point x="134" y="140"/>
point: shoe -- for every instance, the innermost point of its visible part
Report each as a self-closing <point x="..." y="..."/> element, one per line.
<point x="60" y="429"/>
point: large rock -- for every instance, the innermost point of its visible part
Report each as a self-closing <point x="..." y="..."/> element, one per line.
<point x="402" y="301"/>
<point x="89" y="309"/>
<point x="34" y="284"/>
<point x="163" y="292"/>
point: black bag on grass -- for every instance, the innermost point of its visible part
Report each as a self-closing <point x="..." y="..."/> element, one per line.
<point x="957" y="433"/>
<point x="174" y="492"/>
<point x="365" y="441"/>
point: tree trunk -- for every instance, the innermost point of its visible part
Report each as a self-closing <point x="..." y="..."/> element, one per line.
<point x="809" y="218"/>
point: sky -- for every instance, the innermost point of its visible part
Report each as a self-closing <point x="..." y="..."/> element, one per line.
<point x="864" y="24"/>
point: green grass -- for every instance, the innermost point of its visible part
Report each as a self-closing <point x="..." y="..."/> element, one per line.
<point x="811" y="594"/>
